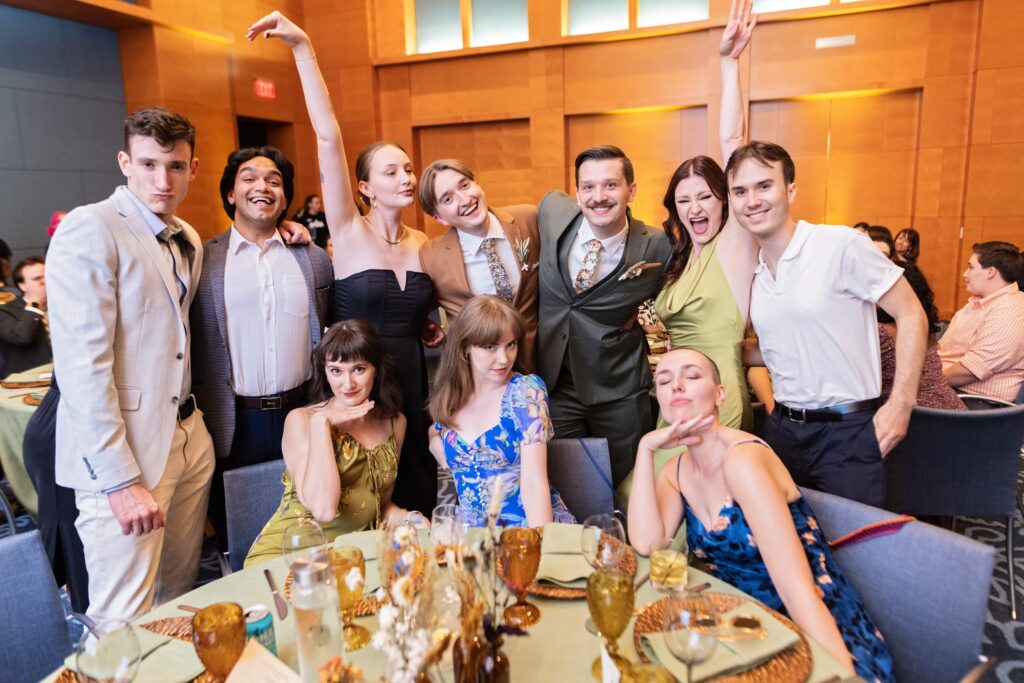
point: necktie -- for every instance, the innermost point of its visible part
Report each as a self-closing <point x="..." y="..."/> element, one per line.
<point x="502" y="286"/>
<point x="586" y="273"/>
<point x="170" y="238"/>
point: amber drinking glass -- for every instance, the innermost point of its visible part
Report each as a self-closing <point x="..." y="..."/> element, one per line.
<point x="350" y="576"/>
<point x="610" y="597"/>
<point x="520" y="557"/>
<point x="218" y="632"/>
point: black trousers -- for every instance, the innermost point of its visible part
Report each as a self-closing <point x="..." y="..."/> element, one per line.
<point x="257" y="439"/>
<point x="622" y="422"/>
<point x="57" y="509"/>
<point x="841" y="457"/>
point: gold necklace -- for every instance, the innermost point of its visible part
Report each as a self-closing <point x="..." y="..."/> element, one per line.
<point x="384" y="236"/>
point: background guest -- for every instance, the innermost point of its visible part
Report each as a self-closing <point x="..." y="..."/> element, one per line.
<point x="341" y="451"/>
<point x="311" y="215"/>
<point x="908" y="246"/>
<point x="982" y="352"/>
<point x="477" y="380"/>
<point x="24" y="325"/>
<point x="5" y="264"/>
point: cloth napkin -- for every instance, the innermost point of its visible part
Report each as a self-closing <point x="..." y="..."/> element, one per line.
<point x="561" y="559"/>
<point x="731" y="656"/>
<point x="164" y="659"/>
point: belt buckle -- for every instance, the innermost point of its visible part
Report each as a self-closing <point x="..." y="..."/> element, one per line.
<point x="271" y="403"/>
<point x="803" y="415"/>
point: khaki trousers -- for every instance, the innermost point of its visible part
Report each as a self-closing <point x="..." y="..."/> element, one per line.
<point x="129" y="575"/>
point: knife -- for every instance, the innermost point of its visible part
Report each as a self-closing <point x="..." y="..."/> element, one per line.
<point x="279" y="602"/>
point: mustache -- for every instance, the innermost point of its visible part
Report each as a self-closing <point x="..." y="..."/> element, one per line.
<point x="600" y="205"/>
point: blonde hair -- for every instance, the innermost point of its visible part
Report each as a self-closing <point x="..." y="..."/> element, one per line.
<point x="482" y="321"/>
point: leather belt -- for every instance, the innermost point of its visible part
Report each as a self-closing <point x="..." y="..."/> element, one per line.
<point x="829" y="414"/>
<point x="286" y="400"/>
<point x="186" y="408"/>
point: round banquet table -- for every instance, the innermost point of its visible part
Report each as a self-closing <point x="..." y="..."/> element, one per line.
<point x="14" y="417"/>
<point x="558" y="647"/>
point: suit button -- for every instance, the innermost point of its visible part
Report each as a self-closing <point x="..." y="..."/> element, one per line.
<point x="180" y="356"/>
<point x="174" y="400"/>
<point x="563" y="335"/>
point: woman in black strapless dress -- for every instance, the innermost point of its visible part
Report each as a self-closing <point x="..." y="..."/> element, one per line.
<point x="378" y="277"/>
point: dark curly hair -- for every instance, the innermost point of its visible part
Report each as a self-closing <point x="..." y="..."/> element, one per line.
<point x="353" y="340"/>
<point x="239" y="157"/>
<point x="708" y="169"/>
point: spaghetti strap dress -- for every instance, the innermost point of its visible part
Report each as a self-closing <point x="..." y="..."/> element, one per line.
<point x="366" y="475"/>
<point x="398" y="316"/>
<point x="729" y="551"/>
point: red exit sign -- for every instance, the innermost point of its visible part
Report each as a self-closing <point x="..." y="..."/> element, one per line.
<point x="264" y="89"/>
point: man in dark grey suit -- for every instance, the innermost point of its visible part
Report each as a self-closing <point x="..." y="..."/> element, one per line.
<point x="260" y="310"/>
<point x="598" y="264"/>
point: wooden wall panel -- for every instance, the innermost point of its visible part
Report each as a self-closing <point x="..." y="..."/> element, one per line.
<point x="498" y="153"/>
<point x="487" y="87"/>
<point x="890" y="52"/>
<point x="656" y="142"/>
<point x="663" y="71"/>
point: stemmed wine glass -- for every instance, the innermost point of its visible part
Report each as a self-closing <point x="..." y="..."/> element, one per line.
<point x="610" y="598"/>
<point x="350" y="575"/>
<point x="302" y="535"/>
<point x="603" y="542"/>
<point x="109" y="652"/>
<point x="447" y="530"/>
<point x="689" y="622"/>
<point x="520" y="557"/>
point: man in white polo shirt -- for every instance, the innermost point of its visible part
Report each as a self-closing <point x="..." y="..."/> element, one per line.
<point x="813" y="307"/>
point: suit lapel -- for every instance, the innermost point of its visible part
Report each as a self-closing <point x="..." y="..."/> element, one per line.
<point x="453" y="259"/>
<point x="217" y="253"/>
<point x="637" y="238"/>
<point x="138" y="227"/>
<point x="306" y="266"/>
<point x="565" y="239"/>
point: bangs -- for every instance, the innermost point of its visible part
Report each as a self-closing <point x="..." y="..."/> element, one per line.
<point x="350" y="341"/>
<point x="494" y="325"/>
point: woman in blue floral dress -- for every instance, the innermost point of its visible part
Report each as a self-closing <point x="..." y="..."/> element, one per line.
<point x="744" y="516"/>
<point x="491" y="423"/>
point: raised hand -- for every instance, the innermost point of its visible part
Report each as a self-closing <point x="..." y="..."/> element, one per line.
<point x="277" y="25"/>
<point x="337" y="413"/>
<point x="737" y="32"/>
<point x="679" y="433"/>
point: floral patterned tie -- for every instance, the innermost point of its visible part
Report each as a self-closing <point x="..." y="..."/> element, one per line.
<point x="502" y="286"/>
<point x="586" y="274"/>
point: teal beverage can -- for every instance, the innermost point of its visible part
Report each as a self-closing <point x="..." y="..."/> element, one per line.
<point x="259" y="624"/>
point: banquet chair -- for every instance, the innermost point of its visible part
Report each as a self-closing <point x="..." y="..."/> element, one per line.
<point x="581" y="471"/>
<point x="960" y="463"/>
<point x="251" y="496"/>
<point x="32" y="627"/>
<point x="925" y="588"/>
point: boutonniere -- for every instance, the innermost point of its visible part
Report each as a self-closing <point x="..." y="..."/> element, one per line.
<point x="640" y="266"/>
<point x="522" y="248"/>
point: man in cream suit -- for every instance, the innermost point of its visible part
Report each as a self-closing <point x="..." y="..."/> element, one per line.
<point x="259" y="313"/>
<point x="487" y="251"/>
<point x="121" y="276"/>
<point x="598" y="264"/>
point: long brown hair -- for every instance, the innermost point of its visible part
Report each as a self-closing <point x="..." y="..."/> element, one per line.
<point x="354" y="340"/>
<point x="708" y="169"/>
<point x="482" y="321"/>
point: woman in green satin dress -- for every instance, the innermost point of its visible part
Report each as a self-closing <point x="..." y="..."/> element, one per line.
<point x="705" y="302"/>
<point x="341" y="452"/>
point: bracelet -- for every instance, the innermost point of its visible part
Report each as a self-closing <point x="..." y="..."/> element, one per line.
<point x="310" y="58"/>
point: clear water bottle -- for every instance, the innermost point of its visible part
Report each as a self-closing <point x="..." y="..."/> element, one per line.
<point x="317" y="619"/>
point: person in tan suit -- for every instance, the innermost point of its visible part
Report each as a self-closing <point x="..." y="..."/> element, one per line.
<point x="486" y="251"/>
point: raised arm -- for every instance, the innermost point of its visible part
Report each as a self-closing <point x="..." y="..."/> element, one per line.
<point x="339" y="202"/>
<point x="735" y="38"/>
<point x="309" y="457"/>
<point x="763" y="501"/>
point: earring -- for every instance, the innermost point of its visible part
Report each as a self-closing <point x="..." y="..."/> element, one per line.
<point x="373" y="202"/>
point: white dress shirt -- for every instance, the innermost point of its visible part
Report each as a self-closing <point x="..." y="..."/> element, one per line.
<point x="266" y="304"/>
<point x="478" y="272"/>
<point x="612" y="249"/>
<point x="815" y="319"/>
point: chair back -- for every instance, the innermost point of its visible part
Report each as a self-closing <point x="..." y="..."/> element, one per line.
<point x="925" y="588"/>
<point x="581" y="471"/>
<point x="957" y="463"/>
<point x="251" y="496"/>
<point x="32" y="627"/>
<point x="1019" y="398"/>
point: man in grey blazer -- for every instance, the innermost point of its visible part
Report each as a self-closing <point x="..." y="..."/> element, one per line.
<point x="121" y="275"/>
<point x="598" y="264"/>
<point x="260" y="310"/>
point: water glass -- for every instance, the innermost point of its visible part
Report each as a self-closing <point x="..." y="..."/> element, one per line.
<point x="690" y="622"/>
<point x="668" y="570"/>
<point x="300" y="536"/>
<point x="218" y="633"/>
<point x="447" y="530"/>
